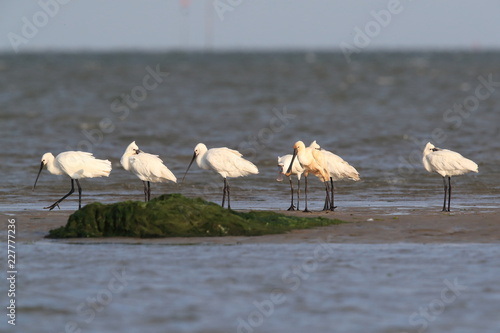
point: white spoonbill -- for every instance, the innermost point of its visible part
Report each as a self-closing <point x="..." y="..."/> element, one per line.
<point x="313" y="162"/>
<point x="226" y="162"/>
<point x="283" y="164"/>
<point x="147" y="167"/>
<point x="446" y="163"/>
<point x="77" y="165"/>
<point x="338" y="170"/>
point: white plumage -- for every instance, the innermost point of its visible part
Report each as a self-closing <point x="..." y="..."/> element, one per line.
<point x="313" y="162"/>
<point x="76" y="165"/>
<point x="338" y="170"/>
<point x="226" y="162"/>
<point x="446" y="163"/>
<point x="337" y="167"/>
<point x="284" y="164"/>
<point x="147" y="167"/>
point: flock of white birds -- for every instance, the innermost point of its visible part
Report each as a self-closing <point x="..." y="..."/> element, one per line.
<point x="229" y="163"/>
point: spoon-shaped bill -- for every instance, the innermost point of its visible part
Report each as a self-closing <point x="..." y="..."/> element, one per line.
<point x="190" y="163"/>
<point x="289" y="171"/>
<point x="280" y="173"/>
<point x="39" y="171"/>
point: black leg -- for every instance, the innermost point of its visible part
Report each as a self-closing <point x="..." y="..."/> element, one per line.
<point x="332" y="202"/>
<point x="228" y="195"/>
<point x="145" y="191"/>
<point x="149" y="191"/>
<point x="56" y="204"/>
<point x="298" y="193"/>
<point x="224" y="193"/>
<point x="306" y="210"/>
<point x="292" y="206"/>
<point x="327" y="198"/>
<point x="449" y="192"/>
<point x="79" y="194"/>
<point x="445" y="193"/>
<point x="326" y="206"/>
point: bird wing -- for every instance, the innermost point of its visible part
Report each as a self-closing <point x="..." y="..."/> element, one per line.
<point x="229" y="163"/>
<point x="79" y="164"/>
<point x="449" y="163"/>
<point x="338" y="168"/>
<point x="320" y="164"/>
<point x="149" y="167"/>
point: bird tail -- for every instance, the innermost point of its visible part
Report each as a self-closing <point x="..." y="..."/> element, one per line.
<point x="249" y="168"/>
<point x="101" y="168"/>
<point x="354" y="174"/>
<point x="470" y="165"/>
<point x="167" y="174"/>
<point x="349" y="172"/>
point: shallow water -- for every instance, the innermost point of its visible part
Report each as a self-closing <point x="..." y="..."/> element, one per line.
<point x="376" y="112"/>
<point x="319" y="287"/>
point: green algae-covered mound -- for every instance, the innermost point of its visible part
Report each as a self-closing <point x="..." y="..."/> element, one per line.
<point x="173" y="215"/>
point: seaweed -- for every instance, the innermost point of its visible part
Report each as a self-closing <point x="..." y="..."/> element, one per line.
<point x="173" y="215"/>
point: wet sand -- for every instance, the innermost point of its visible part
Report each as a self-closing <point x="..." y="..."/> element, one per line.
<point x="365" y="226"/>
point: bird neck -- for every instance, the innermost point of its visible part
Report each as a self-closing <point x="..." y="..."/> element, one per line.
<point x="53" y="166"/>
<point x="200" y="160"/>
<point x="304" y="156"/>
<point x="125" y="159"/>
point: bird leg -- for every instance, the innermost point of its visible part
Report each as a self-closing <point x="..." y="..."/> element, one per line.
<point x="228" y="196"/>
<point x="226" y="189"/>
<point x="327" y="198"/>
<point x="79" y="194"/>
<point x="445" y="193"/>
<point x="449" y="192"/>
<point x="145" y="191"/>
<point x="292" y="207"/>
<point x="306" y="210"/>
<point x="56" y="204"/>
<point x="332" y="202"/>
<point x="149" y="191"/>
<point x="298" y="193"/>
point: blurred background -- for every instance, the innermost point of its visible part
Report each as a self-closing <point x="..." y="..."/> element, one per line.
<point x="372" y="82"/>
<point x="161" y="25"/>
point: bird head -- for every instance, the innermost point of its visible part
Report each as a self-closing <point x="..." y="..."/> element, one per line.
<point x="45" y="159"/>
<point x="199" y="149"/>
<point x="281" y="166"/>
<point x="429" y="148"/>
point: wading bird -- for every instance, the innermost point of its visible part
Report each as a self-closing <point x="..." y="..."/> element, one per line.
<point x="313" y="161"/>
<point x="338" y="170"/>
<point x="77" y="165"/>
<point x="226" y="162"/>
<point x="283" y="164"/>
<point x="147" y="167"/>
<point x="446" y="163"/>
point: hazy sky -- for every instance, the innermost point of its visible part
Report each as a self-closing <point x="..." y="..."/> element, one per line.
<point x="27" y="25"/>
